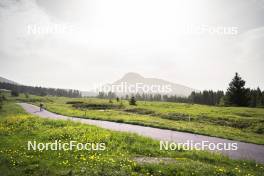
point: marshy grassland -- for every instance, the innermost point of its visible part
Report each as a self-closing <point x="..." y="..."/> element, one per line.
<point x="236" y="123"/>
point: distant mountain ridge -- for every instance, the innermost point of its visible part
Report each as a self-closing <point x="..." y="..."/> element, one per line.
<point x="175" y="89"/>
<point x="7" y="81"/>
<point x="131" y="79"/>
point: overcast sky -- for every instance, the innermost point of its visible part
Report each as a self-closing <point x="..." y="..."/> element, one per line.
<point x="98" y="41"/>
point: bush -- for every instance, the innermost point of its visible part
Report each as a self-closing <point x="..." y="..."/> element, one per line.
<point x="132" y="101"/>
<point x="140" y="111"/>
<point x="2" y="98"/>
<point x="259" y="129"/>
<point x="177" y="116"/>
<point x="26" y="95"/>
<point x="95" y="106"/>
<point x="14" y="93"/>
<point x="74" y="102"/>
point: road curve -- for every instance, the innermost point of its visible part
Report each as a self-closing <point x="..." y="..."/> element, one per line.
<point x="245" y="150"/>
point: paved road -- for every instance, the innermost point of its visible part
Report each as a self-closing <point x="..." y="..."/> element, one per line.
<point x="244" y="151"/>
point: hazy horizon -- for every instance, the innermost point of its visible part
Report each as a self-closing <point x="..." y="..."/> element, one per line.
<point x="102" y="40"/>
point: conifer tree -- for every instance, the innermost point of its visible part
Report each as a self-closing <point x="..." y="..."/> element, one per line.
<point x="236" y="93"/>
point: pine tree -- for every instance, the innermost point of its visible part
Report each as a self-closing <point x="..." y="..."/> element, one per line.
<point x="258" y="98"/>
<point x="236" y="93"/>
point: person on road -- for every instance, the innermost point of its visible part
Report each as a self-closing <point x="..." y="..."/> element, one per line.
<point x="41" y="105"/>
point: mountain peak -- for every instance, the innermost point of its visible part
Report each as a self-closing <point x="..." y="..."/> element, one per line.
<point x="132" y="75"/>
<point x="132" y="79"/>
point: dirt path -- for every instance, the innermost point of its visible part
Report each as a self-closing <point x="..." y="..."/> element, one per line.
<point x="244" y="151"/>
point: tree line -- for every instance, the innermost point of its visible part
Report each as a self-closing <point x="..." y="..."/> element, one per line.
<point x="206" y="97"/>
<point x="236" y="95"/>
<point x="40" y="91"/>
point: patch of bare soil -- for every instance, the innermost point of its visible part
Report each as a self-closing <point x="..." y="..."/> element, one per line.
<point x="153" y="160"/>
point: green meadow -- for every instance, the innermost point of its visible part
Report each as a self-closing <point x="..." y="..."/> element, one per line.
<point x="237" y="123"/>
<point x="123" y="150"/>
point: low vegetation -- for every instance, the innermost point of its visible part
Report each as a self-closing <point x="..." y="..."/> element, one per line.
<point x="95" y="106"/>
<point x="123" y="155"/>
<point x="237" y="123"/>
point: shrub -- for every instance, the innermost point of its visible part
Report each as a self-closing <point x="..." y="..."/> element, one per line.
<point x="132" y="101"/>
<point x="26" y="95"/>
<point x="1" y="102"/>
<point x="259" y="129"/>
<point x="176" y="116"/>
<point x="140" y="111"/>
<point x="14" y="93"/>
<point x="2" y="99"/>
<point x="95" y="106"/>
<point x="74" y="102"/>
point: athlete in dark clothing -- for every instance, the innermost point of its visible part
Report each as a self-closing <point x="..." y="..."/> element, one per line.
<point x="41" y="105"/>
